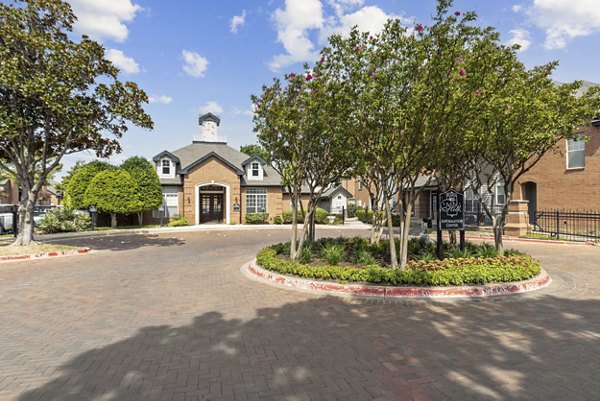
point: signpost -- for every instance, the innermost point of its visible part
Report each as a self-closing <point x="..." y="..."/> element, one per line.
<point x="451" y="216"/>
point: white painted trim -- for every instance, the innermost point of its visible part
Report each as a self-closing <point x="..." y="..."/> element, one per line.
<point x="227" y="199"/>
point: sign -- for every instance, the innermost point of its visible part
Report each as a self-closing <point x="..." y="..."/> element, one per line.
<point x="236" y="207"/>
<point x="451" y="206"/>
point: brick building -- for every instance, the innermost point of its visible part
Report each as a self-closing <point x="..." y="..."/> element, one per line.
<point x="210" y="182"/>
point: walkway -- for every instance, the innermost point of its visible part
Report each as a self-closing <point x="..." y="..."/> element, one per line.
<point x="170" y="317"/>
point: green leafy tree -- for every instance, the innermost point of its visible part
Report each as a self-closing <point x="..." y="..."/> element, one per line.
<point x="148" y="189"/>
<point x="64" y="182"/>
<point x="255" y="150"/>
<point x="77" y="185"/>
<point x="57" y="96"/>
<point x="113" y="191"/>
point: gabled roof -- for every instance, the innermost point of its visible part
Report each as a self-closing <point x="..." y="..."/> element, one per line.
<point x="333" y="191"/>
<point x="168" y="154"/>
<point x="209" y="117"/>
<point x="254" y="158"/>
<point x="208" y="156"/>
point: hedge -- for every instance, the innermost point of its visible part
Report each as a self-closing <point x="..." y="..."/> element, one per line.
<point x="435" y="273"/>
<point x="257" y="218"/>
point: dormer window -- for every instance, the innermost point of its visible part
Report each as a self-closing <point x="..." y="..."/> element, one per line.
<point x="255" y="169"/>
<point x="166" y="167"/>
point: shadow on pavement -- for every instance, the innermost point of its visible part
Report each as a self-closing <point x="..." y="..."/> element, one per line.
<point x="328" y="348"/>
<point x="123" y="242"/>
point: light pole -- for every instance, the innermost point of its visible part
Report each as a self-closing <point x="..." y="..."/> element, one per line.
<point x="161" y="209"/>
<point x="93" y="216"/>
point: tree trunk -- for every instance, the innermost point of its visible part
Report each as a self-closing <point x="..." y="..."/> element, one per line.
<point x="293" y="252"/>
<point x="404" y="236"/>
<point x="305" y="226"/>
<point x="498" y="224"/>
<point x="452" y="237"/>
<point x="388" y="213"/>
<point x="113" y="220"/>
<point x="140" y="216"/>
<point x="25" y="218"/>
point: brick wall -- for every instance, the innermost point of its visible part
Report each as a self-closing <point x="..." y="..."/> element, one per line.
<point x="559" y="188"/>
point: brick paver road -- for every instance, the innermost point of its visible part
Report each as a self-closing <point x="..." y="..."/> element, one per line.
<point x="170" y="317"/>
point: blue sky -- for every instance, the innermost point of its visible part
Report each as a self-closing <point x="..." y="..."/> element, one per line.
<point x="193" y="56"/>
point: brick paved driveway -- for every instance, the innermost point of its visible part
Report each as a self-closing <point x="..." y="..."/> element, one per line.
<point x="170" y="317"/>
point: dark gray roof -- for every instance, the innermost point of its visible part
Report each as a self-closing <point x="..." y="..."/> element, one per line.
<point x="190" y="154"/>
<point x="334" y="190"/>
<point x="171" y="181"/>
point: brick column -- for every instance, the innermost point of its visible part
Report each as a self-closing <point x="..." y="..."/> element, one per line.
<point x="517" y="219"/>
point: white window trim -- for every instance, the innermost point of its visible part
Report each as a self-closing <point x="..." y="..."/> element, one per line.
<point x="582" y="139"/>
<point x="171" y="168"/>
<point x="260" y="175"/>
<point x="266" y="198"/>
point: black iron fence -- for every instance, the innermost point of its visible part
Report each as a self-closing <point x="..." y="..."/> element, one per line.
<point x="568" y="224"/>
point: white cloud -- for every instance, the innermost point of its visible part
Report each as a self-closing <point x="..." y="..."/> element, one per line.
<point x="211" y="107"/>
<point x="104" y="19"/>
<point x="194" y="64"/>
<point x="367" y="19"/>
<point x="293" y="25"/>
<point x="161" y="99"/>
<point x="296" y="22"/>
<point x="521" y="37"/>
<point x="517" y="8"/>
<point x="237" y="21"/>
<point x="236" y="111"/>
<point x="122" y="62"/>
<point x="564" y="20"/>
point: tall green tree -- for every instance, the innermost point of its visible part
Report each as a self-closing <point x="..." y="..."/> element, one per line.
<point x="57" y="96"/>
<point x="148" y="189"/>
<point x="80" y="179"/>
<point x="113" y="191"/>
<point x="255" y="150"/>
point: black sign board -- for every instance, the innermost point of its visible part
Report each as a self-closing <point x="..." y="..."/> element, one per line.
<point x="236" y="207"/>
<point x="451" y="209"/>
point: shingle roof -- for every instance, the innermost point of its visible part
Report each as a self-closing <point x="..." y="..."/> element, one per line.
<point x="190" y="154"/>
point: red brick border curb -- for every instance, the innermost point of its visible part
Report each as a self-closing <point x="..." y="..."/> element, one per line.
<point x="41" y="255"/>
<point x="367" y="290"/>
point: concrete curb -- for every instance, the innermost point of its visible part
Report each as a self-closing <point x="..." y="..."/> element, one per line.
<point x="42" y="255"/>
<point x="254" y="271"/>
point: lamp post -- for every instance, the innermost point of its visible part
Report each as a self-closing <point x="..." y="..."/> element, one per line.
<point x="93" y="216"/>
<point x="161" y="209"/>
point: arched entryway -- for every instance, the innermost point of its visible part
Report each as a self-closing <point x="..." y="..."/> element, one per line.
<point x="529" y="191"/>
<point x="212" y="203"/>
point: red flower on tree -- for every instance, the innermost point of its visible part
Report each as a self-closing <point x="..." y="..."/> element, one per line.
<point x="308" y="77"/>
<point x="457" y="13"/>
<point x="420" y="28"/>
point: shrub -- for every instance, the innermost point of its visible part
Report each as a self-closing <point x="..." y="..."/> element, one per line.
<point x="333" y="253"/>
<point x="277" y="220"/>
<point x="351" y="210"/>
<point x="365" y="258"/>
<point x="321" y="216"/>
<point x="486" y="251"/>
<point x="456" y="253"/>
<point x="60" y="220"/>
<point x="287" y="217"/>
<point x="364" y="215"/>
<point x="305" y="254"/>
<point x="178" y="222"/>
<point x="257" y="218"/>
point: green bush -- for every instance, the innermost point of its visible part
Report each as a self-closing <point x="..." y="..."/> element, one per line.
<point x="447" y="272"/>
<point x="178" y="222"/>
<point x="352" y="210"/>
<point x="277" y="220"/>
<point x="333" y="253"/>
<point x="321" y="216"/>
<point x="363" y="215"/>
<point x="61" y="220"/>
<point x="305" y="254"/>
<point x="364" y="257"/>
<point x="257" y="218"/>
<point x="287" y="217"/>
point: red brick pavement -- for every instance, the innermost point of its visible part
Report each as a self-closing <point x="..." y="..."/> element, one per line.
<point x="170" y="317"/>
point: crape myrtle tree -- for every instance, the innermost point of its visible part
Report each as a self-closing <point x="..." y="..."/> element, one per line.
<point x="113" y="191"/>
<point x="147" y="184"/>
<point x="303" y="123"/>
<point x="523" y="121"/>
<point x="57" y="96"/>
<point x="255" y="150"/>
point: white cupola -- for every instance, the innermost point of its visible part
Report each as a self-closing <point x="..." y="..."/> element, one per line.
<point x="208" y="129"/>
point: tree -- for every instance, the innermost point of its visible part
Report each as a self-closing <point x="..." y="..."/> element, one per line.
<point x="525" y="119"/>
<point x="80" y="178"/>
<point x="148" y="189"/>
<point x="255" y="150"/>
<point x="113" y="191"/>
<point x="57" y="96"/>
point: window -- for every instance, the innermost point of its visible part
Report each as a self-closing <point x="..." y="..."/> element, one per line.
<point x="360" y="185"/>
<point x="171" y="206"/>
<point x="256" y="200"/>
<point x="166" y="167"/>
<point x="576" y="152"/>
<point x="255" y="169"/>
<point x="500" y="197"/>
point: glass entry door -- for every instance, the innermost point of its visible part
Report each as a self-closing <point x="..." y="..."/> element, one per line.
<point x="211" y="208"/>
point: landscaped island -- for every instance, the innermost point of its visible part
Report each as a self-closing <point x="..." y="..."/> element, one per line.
<point x="356" y="260"/>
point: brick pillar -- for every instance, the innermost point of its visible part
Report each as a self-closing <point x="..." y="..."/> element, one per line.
<point x="517" y="219"/>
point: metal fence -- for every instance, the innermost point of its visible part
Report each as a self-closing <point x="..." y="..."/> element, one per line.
<point x="568" y="224"/>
